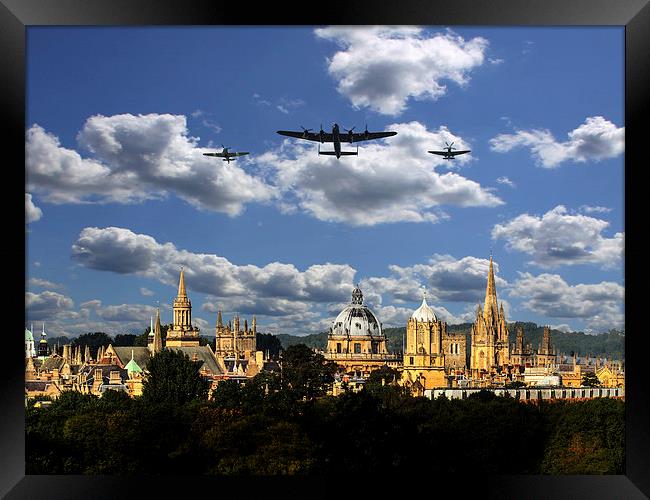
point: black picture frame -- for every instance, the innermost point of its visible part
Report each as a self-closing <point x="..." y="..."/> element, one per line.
<point x="16" y="15"/>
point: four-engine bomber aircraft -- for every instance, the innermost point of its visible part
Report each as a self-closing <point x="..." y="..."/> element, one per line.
<point x="227" y="155"/>
<point x="336" y="138"/>
<point x="449" y="154"/>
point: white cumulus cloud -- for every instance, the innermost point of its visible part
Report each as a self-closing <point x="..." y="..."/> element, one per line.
<point x="136" y="158"/>
<point x="386" y="183"/>
<point x="596" y="139"/>
<point x="599" y="305"/>
<point x="382" y="67"/>
<point x="32" y="212"/>
<point x="559" y="238"/>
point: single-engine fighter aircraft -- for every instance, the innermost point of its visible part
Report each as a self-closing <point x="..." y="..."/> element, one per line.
<point x="449" y="154"/>
<point x="227" y="155"/>
<point x="337" y="138"/>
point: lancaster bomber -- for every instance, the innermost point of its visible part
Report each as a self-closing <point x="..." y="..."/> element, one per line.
<point x="449" y="154"/>
<point x="336" y="138"/>
<point x="227" y="155"/>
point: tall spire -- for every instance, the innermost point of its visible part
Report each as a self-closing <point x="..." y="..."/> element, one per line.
<point x="219" y="319"/>
<point x="181" y="284"/>
<point x="491" y="293"/>
<point x="157" y="333"/>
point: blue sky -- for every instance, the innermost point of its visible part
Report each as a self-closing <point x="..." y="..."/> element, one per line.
<point x="119" y="195"/>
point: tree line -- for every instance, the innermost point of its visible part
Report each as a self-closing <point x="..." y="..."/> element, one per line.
<point x="285" y="423"/>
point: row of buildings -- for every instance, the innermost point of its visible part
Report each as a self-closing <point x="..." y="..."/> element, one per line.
<point x="432" y="357"/>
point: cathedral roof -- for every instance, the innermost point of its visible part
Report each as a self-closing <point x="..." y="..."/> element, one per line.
<point x="141" y="355"/>
<point x="132" y="366"/>
<point x="203" y="353"/>
<point x="356" y="319"/>
<point x="424" y="313"/>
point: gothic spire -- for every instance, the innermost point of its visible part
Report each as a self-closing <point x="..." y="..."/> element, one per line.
<point x="491" y="293"/>
<point x="181" y="284"/>
<point x="219" y="319"/>
<point x="157" y="332"/>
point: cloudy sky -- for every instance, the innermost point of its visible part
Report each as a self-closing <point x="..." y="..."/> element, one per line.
<point x="119" y="195"/>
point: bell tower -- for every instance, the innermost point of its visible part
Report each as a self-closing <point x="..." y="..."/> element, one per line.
<point x="182" y="333"/>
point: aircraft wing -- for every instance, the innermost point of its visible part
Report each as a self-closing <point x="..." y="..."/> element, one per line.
<point x="220" y="155"/>
<point x="441" y="153"/>
<point x="309" y="136"/>
<point x="241" y="153"/>
<point x="362" y="136"/>
<point x="459" y="152"/>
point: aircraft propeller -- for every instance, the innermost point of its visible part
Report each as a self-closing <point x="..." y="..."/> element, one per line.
<point x="449" y="145"/>
<point x="350" y="133"/>
<point x="305" y="130"/>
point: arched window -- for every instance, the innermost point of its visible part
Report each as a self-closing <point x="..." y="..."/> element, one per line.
<point x="357" y="348"/>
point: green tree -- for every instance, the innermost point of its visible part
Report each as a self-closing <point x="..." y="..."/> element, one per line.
<point x="305" y="372"/>
<point x="124" y="339"/>
<point x="268" y="342"/>
<point x="590" y="379"/>
<point x="173" y="379"/>
<point x="93" y="340"/>
<point x="228" y="394"/>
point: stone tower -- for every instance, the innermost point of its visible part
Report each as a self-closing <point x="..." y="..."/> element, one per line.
<point x="546" y="353"/>
<point x="490" y="349"/>
<point x="155" y="337"/>
<point x="182" y="333"/>
<point x="424" y="358"/>
<point x="232" y="341"/>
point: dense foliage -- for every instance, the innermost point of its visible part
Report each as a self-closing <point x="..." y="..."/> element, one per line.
<point x="281" y="423"/>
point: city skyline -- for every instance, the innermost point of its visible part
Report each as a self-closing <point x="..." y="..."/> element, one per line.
<point x="119" y="195"/>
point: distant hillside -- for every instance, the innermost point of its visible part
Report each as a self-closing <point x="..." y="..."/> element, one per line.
<point x="605" y="344"/>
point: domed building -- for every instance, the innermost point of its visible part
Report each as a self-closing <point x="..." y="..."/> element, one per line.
<point x="356" y="341"/>
<point x="432" y="356"/>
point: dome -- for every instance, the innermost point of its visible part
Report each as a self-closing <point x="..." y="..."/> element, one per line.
<point x="424" y="313"/>
<point x="356" y="319"/>
<point x="28" y="335"/>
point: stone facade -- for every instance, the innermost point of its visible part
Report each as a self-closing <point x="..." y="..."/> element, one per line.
<point x="356" y="341"/>
<point x="182" y="333"/>
<point x="490" y="351"/>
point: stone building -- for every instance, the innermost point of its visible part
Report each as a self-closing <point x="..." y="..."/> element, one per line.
<point x="30" y="347"/>
<point x="182" y="333"/>
<point x="546" y="355"/>
<point x="432" y="356"/>
<point x="490" y="352"/>
<point x="521" y="354"/>
<point x="356" y="341"/>
<point x="234" y="342"/>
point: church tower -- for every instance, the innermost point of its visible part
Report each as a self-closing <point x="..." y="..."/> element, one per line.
<point x="182" y="333"/>
<point x="490" y="349"/>
<point x="424" y="358"/>
<point x="234" y="342"/>
<point x="43" y="349"/>
<point x="546" y="354"/>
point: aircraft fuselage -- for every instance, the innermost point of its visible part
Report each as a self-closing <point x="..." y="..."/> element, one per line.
<point x="336" y="139"/>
